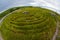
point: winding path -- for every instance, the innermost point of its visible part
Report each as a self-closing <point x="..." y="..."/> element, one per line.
<point x="56" y="32"/>
<point x="3" y="19"/>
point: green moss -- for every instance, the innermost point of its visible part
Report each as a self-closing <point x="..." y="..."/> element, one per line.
<point x="29" y="23"/>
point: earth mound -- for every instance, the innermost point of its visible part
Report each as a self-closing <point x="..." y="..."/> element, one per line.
<point x="29" y="23"/>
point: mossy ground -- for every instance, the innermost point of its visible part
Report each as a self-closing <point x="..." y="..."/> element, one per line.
<point x="29" y="23"/>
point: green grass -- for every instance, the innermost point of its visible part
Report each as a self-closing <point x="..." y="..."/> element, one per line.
<point x="29" y="23"/>
<point x="10" y="10"/>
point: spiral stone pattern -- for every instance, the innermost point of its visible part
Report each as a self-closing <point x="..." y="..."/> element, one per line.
<point x="30" y="23"/>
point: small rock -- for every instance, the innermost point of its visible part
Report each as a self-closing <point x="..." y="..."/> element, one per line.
<point x="26" y="12"/>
